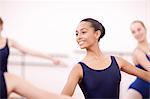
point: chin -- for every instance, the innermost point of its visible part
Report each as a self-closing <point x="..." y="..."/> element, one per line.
<point x="140" y="40"/>
<point x="82" y="47"/>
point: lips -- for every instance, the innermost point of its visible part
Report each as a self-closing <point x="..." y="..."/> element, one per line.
<point x="139" y="36"/>
<point x="81" y="42"/>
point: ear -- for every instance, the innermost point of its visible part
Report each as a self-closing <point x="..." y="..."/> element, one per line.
<point x="1" y="28"/>
<point x="97" y="34"/>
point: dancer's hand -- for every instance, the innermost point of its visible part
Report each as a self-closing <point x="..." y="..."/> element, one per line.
<point x="59" y="62"/>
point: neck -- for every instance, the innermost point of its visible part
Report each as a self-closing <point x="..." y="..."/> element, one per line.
<point x="143" y="45"/>
<point x="0" y="37"/>
<point x="95" y="52"/>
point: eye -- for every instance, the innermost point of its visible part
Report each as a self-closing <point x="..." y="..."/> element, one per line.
<point x="83" y="32"/>
<point x="76" y="34"/>
<point x="133" y="32"/>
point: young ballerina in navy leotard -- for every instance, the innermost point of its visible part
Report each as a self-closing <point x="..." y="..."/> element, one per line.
<point x="98" y="75"/>
<point x="140" y="89"/>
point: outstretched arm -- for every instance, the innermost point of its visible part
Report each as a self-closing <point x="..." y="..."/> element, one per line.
<point x="130" y="69"/>
<point x="26" y="50"/>
<point x="27" y="90"/>
<point x="74" y="78"/>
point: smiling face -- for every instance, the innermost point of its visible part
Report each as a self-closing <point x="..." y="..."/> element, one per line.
<point x="86" y="36"/>
<point x="138" y="30"/>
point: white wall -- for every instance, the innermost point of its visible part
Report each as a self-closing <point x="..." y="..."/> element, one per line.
<point x="50" y="25"/>
<point x="148" y="17"/>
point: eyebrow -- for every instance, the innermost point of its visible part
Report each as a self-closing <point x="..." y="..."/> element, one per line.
<point x="83" y="29"/>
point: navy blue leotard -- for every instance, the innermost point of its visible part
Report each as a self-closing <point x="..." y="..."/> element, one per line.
<point x="140" y="85"/>
<point x="3" y="88"/>
<point x="101" y="84"/>
<point x="4" y="53"/>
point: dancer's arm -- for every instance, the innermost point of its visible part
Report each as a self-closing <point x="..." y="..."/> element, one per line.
<point x="130" y="69"/>
<point x="29" y="51"/>
<point x="73" y="79"/>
